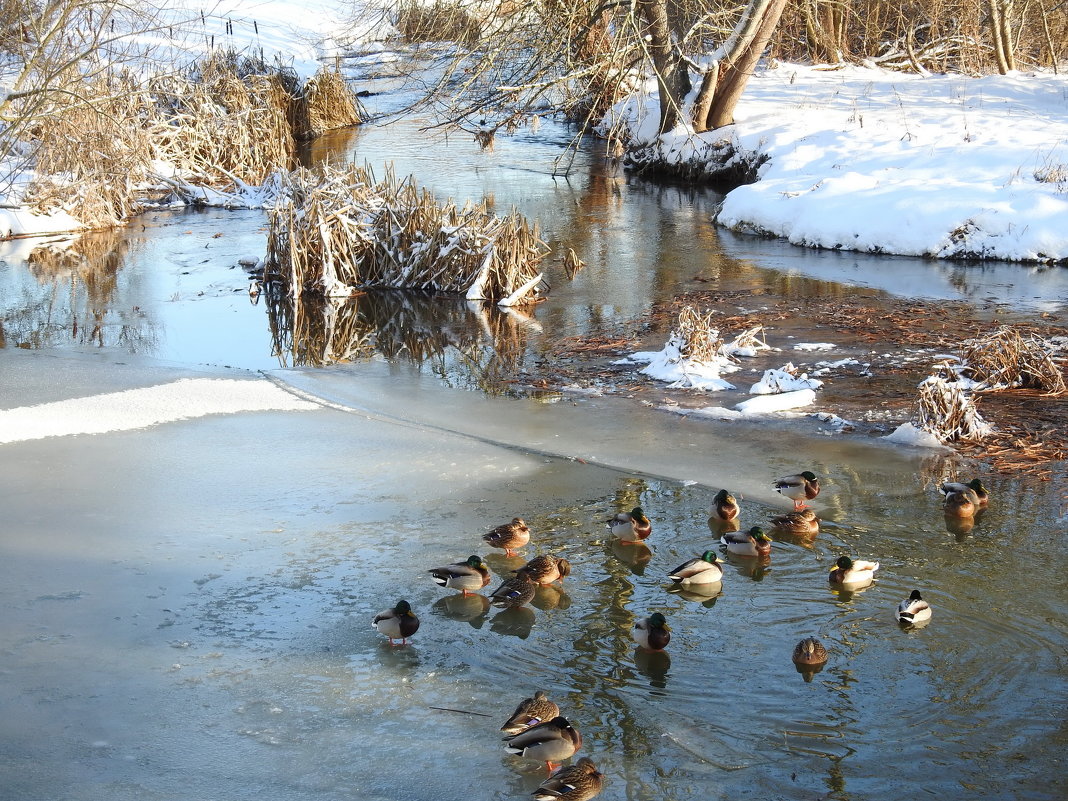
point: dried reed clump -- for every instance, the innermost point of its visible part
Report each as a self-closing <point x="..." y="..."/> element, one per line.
<point x="91" y="153"/>
<point x="338" y="229"/>
<point x="1005" y="358"/>
<point x="323" y="104"/>
<point x="440" y="21"/>
<point x="221" y="126"/>
<point x="698" y="338"/>
<point x="948" y="412"/>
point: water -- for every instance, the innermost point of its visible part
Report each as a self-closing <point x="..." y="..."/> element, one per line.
<point x="187" y="607"/>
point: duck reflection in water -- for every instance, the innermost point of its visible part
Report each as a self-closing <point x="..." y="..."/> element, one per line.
<point x="959" y="527"/>
<point x="634" y="555"/>
<point x="514" y="621"/>
<point x="548" y="597"/>
<point x="655" y="665"/>
<point x="470" y="608"/>
<point x="704" y="594"/>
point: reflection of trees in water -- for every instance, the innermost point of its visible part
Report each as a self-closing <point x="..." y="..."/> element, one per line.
<point x="464" y="343"/>
<point x="73" y="300"/>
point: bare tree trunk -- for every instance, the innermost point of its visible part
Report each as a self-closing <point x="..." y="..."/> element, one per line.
<point x="723" y="84"/>
<point x="1001" y="27"/>
<point x="671" y="78"/>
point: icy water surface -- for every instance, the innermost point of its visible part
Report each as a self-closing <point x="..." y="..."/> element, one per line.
<point x="188" y="606"/>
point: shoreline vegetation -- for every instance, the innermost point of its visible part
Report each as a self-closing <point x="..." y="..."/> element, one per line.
<point x="96" y="143"/>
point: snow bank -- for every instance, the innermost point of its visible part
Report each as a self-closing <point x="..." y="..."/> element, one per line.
<point x="140" y="408"/>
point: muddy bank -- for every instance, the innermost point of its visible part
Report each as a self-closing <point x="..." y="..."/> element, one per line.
<point x="882" y="348"/>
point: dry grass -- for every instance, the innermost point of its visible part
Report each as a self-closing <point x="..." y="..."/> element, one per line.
<point x="324" y="104"/>
<point x="699" y="339"/>
<point x="1005" y="358"/>
<point x="339" y="229"/>
<point x="443" y="21"/>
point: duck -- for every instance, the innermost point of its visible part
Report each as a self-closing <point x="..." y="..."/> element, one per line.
<point x="809" y="651"/>
<point x="631" y="527"/>
<point x="853" y="572"/>
<point x="515" y="591"/>
<point x="467" y="577"/>
<point x="800" y="522"/>
<point x="724" y="507"/>
<point x="974" y="490"/>
<point x="579" y="782"/>
<point x="799" y="487"/>
<point x="546" y="569"/>
<point x="750" y="543"/>
<point x="652" y="633"/>
<point x="550" y="742"/>
<point x="398" y="623"/>
<point x="530" y="712"/>
<point x="959" y="504"/>
<point x="508" y="536"/>
<point x="703" y="569"/>
<point x="913" y="609"/>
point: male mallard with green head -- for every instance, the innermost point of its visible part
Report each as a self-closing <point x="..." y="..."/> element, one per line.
<point x="398" y="623"/>
<point x="913" y="609"/>
<point x="467" y="577"/>
<point x="810" y="651"/>
<point x="631" y="527"/>
<point x="973" y="490"/>
<point x="798" y="487"/>
<point x="545" y="569"/>
<point x="652" y="633"/>
<point x="578" y="782"/>
<point x="853" y="573"/>
<point x="550" y="742"/>
<point x="800" y="522"/>
<point x="508" y="536"/>
<point x="748" y="543"/>
<point x="531" y="712"/>
<point x="703" y="569"/>
<point x="724" y="507"/>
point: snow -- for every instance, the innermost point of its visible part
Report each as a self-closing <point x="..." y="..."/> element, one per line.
<point x="815" y="346"/>
<point x="783" y="380"/>
<point x="909" y="434"/>
<point x="864" y="159"/>
<point x="681" y="373"/>
<point x="779" y="402"/>
<point x="148" y="406"/>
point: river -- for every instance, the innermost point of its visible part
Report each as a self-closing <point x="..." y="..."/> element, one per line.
<point x="188" y="603"/>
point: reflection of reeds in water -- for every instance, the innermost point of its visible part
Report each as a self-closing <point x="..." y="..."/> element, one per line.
<point x="76" y="299"/>
<point x="481" y="344"/>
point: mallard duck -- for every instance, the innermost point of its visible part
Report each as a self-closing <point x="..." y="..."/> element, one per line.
<point x="652" y="633"/>
<point x="724" y="507"/>
<point x="810" y="651"/>
<point x="631" y="527"/>
<point x="750" y="543"/>
<point x="531" y="712"/>
<point x="959" y="504"/>
<point x="578" y="782"/>
<point x="703" y="569"/>
<point x="800" y="522"/>
<point x="974" y="490"/>
<point x="466" y="576"/>
<point x="508" y="536"/>
<point x="515" y="591"/>
<point x="853" y="572"/>
<point x="552" y="741"/>
<point x="398" y="623"/>
<point x="913" y="609"/>
<point x="799" y="487"/>
<point x="545" y="569"/>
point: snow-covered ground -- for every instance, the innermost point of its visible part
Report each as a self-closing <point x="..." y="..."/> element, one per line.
<point x="857" y="158"/>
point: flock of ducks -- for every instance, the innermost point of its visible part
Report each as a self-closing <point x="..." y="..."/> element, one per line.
<point x="536" y="729"/>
